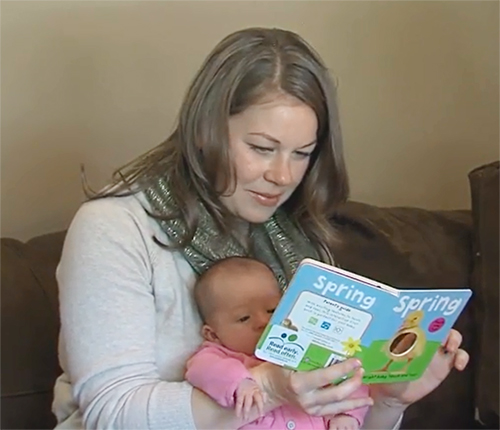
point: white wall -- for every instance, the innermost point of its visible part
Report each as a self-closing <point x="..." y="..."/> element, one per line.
<point x="99" y="82"/>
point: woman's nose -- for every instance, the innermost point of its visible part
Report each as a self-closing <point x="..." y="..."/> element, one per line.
<point x="279" y="172"/>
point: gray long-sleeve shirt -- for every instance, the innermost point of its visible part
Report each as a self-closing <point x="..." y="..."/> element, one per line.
<point x="128" y="323"/>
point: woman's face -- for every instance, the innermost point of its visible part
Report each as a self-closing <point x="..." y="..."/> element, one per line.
<point x="270" y="145"/>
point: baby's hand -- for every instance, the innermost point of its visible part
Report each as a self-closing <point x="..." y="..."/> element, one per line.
<point x="343" y="422"/>
<point x="248" y="393"/>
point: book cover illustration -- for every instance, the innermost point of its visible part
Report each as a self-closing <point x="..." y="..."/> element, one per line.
<point x="328" y="314"/>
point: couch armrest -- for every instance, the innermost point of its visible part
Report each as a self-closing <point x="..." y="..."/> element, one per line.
<point x="485" y="281"/>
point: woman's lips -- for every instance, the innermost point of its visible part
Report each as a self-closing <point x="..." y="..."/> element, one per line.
<point x="269" y="200"/>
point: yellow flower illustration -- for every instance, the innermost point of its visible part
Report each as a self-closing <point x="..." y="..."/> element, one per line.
<point x="351" y="346"/>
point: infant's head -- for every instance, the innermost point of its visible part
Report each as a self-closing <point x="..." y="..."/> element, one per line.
<point x="236" y="297"/>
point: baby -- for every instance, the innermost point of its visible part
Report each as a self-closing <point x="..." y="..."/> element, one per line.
<point x="236" y="298"/>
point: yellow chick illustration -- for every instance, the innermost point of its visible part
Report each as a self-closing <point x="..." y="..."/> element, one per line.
<point x="407" y="343"/>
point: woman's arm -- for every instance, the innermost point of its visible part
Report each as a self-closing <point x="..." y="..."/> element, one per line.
<point x="108" y="325"/>
<point x="384" y="417"/>
<point x="108" y="332"/>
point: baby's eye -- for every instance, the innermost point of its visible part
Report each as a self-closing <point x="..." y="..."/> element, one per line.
<point x="270" y="311"/>
<point x="243" y="319"/>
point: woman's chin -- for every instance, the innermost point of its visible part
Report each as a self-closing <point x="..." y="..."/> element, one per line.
<point x="258" y="217"/>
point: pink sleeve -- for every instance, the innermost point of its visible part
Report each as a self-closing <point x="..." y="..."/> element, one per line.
<point x="216" y="374"/>
<point x="359" y="413"/>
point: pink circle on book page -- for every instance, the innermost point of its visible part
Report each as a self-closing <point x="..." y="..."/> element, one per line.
<point x="436" y="324"/>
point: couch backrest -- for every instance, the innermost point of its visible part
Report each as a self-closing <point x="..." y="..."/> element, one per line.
<point x="29" y="324"/>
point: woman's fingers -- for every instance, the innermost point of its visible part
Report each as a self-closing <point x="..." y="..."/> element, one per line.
<point x="336" y="393"/>
<point x="303" y="382"/>
<point x="336" y="399"/>
<point x="453" y="341"/>
<point x="461" y="360"/>
<point x="314" y="391"/>
<point x="452" y="347"/>
<point x="344" y="406"/>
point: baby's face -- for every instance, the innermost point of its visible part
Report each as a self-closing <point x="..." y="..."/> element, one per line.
<point x="243" y="305"/>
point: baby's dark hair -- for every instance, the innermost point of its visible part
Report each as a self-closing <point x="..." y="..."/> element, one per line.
<point x="206" y="282"/>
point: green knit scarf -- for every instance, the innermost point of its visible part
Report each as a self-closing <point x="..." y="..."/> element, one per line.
<point x="278" y="242"/>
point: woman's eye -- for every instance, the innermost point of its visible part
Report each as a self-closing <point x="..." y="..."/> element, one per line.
<point x="261" y="149"/>
<point x="303" y="154"/>
<point x="243" y="319"/>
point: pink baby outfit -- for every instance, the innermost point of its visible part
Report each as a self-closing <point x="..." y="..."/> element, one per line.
<point x="218" y="371"/>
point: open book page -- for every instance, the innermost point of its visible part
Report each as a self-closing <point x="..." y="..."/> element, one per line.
<point x="328" y="314"/>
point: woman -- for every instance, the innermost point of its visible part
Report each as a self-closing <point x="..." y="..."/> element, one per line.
<point x="254" y="167"/>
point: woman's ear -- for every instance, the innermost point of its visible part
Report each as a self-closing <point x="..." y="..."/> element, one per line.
<point x="209" y="334"/>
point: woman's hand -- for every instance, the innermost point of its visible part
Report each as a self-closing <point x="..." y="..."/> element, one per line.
<point x="312" y="391"/>
<point x="402" y="394"/>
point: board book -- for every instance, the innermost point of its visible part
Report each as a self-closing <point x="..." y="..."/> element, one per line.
<point x="328" y="314"/>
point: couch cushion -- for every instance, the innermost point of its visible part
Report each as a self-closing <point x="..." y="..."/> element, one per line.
<point x="485" y="201"/>
<point x="29" y="329"/>
<point x="416" y="248"/>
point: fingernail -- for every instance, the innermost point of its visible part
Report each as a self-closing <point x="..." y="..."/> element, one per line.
<point x="357" y="364"/>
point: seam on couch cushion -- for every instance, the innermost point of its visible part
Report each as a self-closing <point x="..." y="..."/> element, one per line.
<point x="24" y="393"/>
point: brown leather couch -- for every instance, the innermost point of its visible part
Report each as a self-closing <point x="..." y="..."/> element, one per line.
<point x="405" y="247"/>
